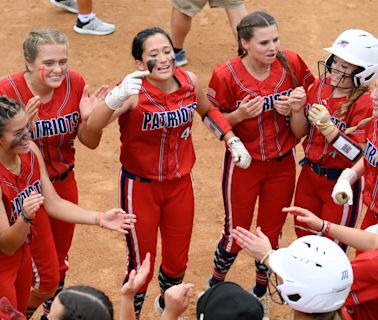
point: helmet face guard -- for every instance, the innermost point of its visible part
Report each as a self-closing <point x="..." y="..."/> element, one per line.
<point x="325" y="72"/>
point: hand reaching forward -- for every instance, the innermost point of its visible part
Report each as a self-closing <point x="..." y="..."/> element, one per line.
<point x="256" y="246"/>
<point x="117" y="220"/>
<point x="88" y="102"/>
<point x="306" y="216"/>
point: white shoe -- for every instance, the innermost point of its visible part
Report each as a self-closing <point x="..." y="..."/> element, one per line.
<point x="94" y="27"/>
<point x="69" y="5"/>
<point x="264" y="300"/>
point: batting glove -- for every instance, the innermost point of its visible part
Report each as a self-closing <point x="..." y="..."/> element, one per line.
<point x="320" y="117"/>
<point x="128" y="87"/>
<point x="240" y="155"/>
<point x="342" y="191"/>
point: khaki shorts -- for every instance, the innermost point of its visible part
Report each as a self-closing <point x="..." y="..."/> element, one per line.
<point x="192" y="7"/>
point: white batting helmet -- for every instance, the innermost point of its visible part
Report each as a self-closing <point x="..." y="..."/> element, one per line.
<point x="360" y="48"/>
<point x="316" y="274"/>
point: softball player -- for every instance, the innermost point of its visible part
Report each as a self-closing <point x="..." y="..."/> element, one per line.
<point x="328" y="150"/>
<point x="57" y="100"/>
<point x="252" y="90"/>
<point x="366" y="166"/>
<point x="25" y="187"/>
<point x="156" y="111"/>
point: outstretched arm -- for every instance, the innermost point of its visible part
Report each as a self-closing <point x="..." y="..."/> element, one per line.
<point x="114" y="219"/>
<point x="356" y="238"/>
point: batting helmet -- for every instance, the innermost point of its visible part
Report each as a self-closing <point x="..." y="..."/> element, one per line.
<point x="360" y="48"/>
<point x="316" y="274"/>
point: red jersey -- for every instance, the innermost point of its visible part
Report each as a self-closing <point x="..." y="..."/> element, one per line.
<point x="15" y="188"/>
<point x="316" y="147"/>
<point x="156" y="135"/>
<point x="58" y="120"/>
<point x="267" y="136"/>
<point x="362" y="302"/>
<point x="370" y="167"/>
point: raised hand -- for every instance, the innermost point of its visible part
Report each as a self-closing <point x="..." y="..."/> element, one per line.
<point x="240" y="154"/>
<point x="31" y="109"/>
<point x="31" y="205"/>
<point x="319" y="115"/>
<point x="297" y="99"/>
<point x="88" y="102"/>
<point x="177" y="299"/>
<point x="130" y="85"/>
<point x="117" y="220"/>
<point x="137" y="278"/>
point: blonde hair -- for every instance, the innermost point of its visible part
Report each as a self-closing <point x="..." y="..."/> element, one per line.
<point x="41" y="37"/>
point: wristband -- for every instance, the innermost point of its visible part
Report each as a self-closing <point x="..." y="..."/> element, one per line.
<point x="262" y="260"/>
<point x="327" y="227"/>
<point x="26" y="219"/>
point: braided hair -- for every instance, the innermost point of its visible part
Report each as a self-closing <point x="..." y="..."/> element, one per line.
<point x="85" y="303"/>
<point x="8" y="109"/>
<point x="245" y="29"/>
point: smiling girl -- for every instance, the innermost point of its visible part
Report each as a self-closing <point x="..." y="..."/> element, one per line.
<point x="155" y="111"/>
<point x="343" y="91"/>
<point x="57" y="101"/>
<point x="24" y="188"/>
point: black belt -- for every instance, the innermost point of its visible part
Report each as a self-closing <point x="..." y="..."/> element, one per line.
<point x="330" y="173"/>
<point x="134" y="176"/>
<point x="64" y="175"/>
<point x="284" y="155"/>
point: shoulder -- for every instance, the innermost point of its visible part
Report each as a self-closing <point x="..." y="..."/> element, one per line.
<point x="16" y="78"/>
<point x="76" y="78"/>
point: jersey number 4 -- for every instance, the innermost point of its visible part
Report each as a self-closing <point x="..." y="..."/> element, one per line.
<point x="186" y="133"/>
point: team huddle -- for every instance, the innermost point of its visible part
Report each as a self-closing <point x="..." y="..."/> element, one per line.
<point x="261" y="103"/>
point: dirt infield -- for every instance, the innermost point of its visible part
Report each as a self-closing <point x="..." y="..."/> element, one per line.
<point x="98" y="256"/>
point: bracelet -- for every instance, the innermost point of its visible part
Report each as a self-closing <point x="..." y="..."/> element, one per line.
<point x="325" y="228"/>
<point x="328" y="226"/>
<point x="99" y="218"/>
<point x="266" y="256"/>
<point x="26" y="219"/>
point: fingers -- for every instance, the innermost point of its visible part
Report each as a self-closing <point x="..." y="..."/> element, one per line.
<point x="101" y="92"/>
<point x="138" y="74"/>
<point x="297" y="211"/>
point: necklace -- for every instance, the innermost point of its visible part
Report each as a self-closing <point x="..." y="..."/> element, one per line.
<point x="15" y="167"/>
<point x="259" y="72"/>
